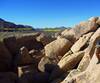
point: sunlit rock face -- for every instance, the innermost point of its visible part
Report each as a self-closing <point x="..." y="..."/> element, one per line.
<point x="71" y="57"/>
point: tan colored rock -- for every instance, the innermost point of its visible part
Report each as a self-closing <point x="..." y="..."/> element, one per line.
<point x="84" y="63"/>
<point x="69" y="35"/>
<point x="68" y="53"/>
<point x="90" y="75"/>
<point x="42" y="63"/>
<point x="44" y="39"/>
<point x="46" y="64"/>
<point x="84" y="28"/>
<point x="89" y="51"/>
<point x="87" y="57"/>
<point x="57" y="79"/>
<point x="67" y="63"/>
<point x="54" y="51"/>
<point x="95" y="36"/>
<point x="93" y="19"/>
<point x="80" y="29"/>
<point x="82" y="43"/>
<point x="65" y="31"/>
<point x="72" y="73"/>
<point x="24" y="58"/>
<point x="70" y="61"/>
<point x="57" y="48"/>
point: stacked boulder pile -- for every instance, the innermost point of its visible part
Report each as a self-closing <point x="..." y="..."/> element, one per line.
<point x="73" y="57"/>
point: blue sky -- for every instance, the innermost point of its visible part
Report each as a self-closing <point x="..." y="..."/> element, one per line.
<point x="48" y="13"/>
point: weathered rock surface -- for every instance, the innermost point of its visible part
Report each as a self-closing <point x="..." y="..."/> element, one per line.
<point x="95" y="36"/>
<point x="89" y="51"/>
<point x="82" y="43"/>
<point x="46" y="64"/>
<point x="57" y="48"/>
<point x="44" y="39"/>
<point x="70" y="75"/>
<point x="66" y="64"/>
<point x="70" y="61"/>
<point x="80" y="29"/>
<point x="54" y="51"/>
<point x="91" y="75"/>
<point x="42" y="64"/>
<point x="74" y="57"/>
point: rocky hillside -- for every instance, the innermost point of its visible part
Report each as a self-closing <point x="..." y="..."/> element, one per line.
<point x="73" y="57"/>
<point x="9" y="26"/>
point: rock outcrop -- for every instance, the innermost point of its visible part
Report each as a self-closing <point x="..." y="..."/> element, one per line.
<point x="81" y="29"/>
<point x="44" y="39"/>
<point x="82" y="43"/>
<point x="73" y="57"/>
<point x="57" y="48"/>
<point x="90" y="75"/>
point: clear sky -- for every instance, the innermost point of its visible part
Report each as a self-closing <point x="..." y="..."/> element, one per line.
<point x="48" y="13"/>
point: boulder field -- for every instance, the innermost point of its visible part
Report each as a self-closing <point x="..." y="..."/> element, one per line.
<point x="73" y="56"/>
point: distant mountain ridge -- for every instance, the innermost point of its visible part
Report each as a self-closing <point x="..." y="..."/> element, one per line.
<point x="10" y="26"/>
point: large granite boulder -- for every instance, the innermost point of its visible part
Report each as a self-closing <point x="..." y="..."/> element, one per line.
<point x="46" y="64"/>
<point x="91" y="74"/>
<point x="57" y="48"/>
<point x="89" y="51"/>
<point x="80" y="29"/>
<point x="66" y="64"/>
<point x="53" y="52"/>
<point x="70" y="61"/>
<point x="82" y="43"/>
<point x="45" y="39"/>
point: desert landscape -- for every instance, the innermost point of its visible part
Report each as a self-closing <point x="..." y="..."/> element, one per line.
<point x="68" y="55"/>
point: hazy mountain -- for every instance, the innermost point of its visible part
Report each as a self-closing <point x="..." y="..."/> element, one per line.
<point x="5" y="25"/>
